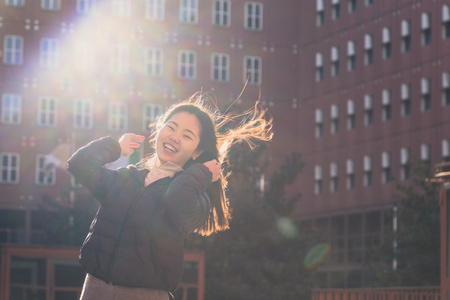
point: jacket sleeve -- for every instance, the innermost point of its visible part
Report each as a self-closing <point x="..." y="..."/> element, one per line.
<point x="86" y="165"/>
<point x="187" y="200"/>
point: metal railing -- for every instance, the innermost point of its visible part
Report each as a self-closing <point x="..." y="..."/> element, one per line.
<point x="395" y="293"/>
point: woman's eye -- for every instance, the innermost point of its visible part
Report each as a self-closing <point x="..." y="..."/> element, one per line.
<point x="188" y="137"/>
<point x="170" y="127"/>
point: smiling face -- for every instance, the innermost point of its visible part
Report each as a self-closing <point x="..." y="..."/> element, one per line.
<point x="177" y="141"/>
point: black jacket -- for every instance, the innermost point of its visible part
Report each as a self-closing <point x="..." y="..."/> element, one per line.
<point x="136" y="237"/>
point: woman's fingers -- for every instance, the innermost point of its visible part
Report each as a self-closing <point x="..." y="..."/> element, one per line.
<point x="128" y="142"/>
<point x="215" y="168"/>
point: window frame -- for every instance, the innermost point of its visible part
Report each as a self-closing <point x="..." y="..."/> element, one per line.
<point x="188" y="12"/>
<point x="221" y="17"/>
<point x="253" y="18"/>
<point x="13" y="109"/>
<point x="49" y="53"/>
<point x="51" y="5"/>
<point x="13" y="55"/>
<point x="85" y="117"/>
<point x="253" y="69"/>
<point x="154" y="61"/>
<point x="187" y="64"/>
<point x="47" y="117"/>
<point x="155" y="9"/>
<point x="219" y="68"/>
<point x="44" y="176"/>
<point x="117" y="120"/>
<point x="9" y="168"/>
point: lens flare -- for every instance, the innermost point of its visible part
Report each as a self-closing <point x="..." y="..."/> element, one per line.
<point x="286" y="227"/>
<point x="316" y="255"/>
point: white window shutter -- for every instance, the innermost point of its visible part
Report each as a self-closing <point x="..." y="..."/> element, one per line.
<point x="334" y="54"/>
<point x="445" y="13"/>
<point x="350" y="166"/>
<point x="368" y="103"/>
<point x="318" y="173"/>
<point x="319" y="6"/>
<point x="333" y="169"/>
<point x="350" y="107"/>
<point x="386" y="35"/>
<point x="385" y="159"/>
<point x="404" y="156"/>
<point x="445" y="148"/>
<point x="334" y="111"/>
<point x="425" y="86"/>
<point x="425" y="152"/>
<point x="386" y="97"/>
<point x="367" y="42"/>
<point x="405" y="91"/>
<point x="319" y="116"/>
<point x="319" y="60"/>
<point x="405" y="28"/>
<point x="446" y="80"/>
<point x="351" y="48"/>
<point x="425" y="21"/>
<point x="367" y="163"/>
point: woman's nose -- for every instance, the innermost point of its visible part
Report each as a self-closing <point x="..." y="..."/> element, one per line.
<point x="174" y="137"/>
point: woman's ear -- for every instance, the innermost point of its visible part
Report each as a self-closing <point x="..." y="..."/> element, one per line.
<point x="197" y="154"/>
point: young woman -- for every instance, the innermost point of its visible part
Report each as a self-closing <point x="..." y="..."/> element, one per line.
<point x="134" y="248"/>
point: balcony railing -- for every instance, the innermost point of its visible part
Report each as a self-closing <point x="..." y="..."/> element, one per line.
<point x="395" y="293"/>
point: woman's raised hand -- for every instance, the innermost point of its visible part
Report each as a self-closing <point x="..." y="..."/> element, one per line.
<point x="215" y="168"/>
<point x="129" y="142"/>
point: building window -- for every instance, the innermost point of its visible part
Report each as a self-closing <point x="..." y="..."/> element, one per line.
<point x="11" y="109"/>
<point x="406" y="99"/>
<point x="386" y="175"/>
<point x="446" y="150"/>
<point x="85" y="6"/>
<point x="426" y="29"/>
<point x="320" y="12"/>
<point x="16" y="3"/>
<point x="386" y="105"/>
<point x="82" y="114"/>
<point x="406" y="36"/>
<point x="367" y="170"/>
<point x="154" y="62"/>
<point x="334" y="114"/>
<point x="334" y="179"/>
<point x="351" y="55"/>
<point x="47" y="112"/>
<point x="187" y="64"/>
<point x="45" y="174"/>
<point x="155" y="9"/>
<point x="319" y="123"/>
<point x="220" y="67"/>
<point x="121" y="8"/>
<point x="350" y="174"/>
<point x="119" y="62"/>
<point x="425" y="90"/>
<point x="405" y="171"/>
<point x="221" y="13"/>
<point x="51" y="4"/>
<point x="252" y="70"/>
<point x="445" y="88"/>
<point x="10" y="168"/>
<point x="368" y="49"/>
<point x="334" y="61"/>
<point x="253" y="16"/>
<point x="317" y="180"/>
<point x="368" y="110"/>
<point x="368" y="2"/>
<point x="189" y="11"/>
<point x="351" y="114"/>
<point x="84" y="56"/>
<point x="387" y="43"/>
<point x="336" y="9"/>
<point x="13" y="50"/>
<point x="49" y="53"/>
<point x="352" y="5"/>
<point x="118" y="116"/>
<point x="425" y="154"/>
<point x="319" y="67"/>
<point x="445" y="21"/>
<point x="151" y="111"/>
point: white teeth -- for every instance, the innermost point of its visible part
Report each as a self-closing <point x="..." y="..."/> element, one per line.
<point x="170" y="147"/>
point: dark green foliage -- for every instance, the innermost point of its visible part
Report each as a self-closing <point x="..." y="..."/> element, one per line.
<point x="253" y="260"/>
<point x="417" y="237"/>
